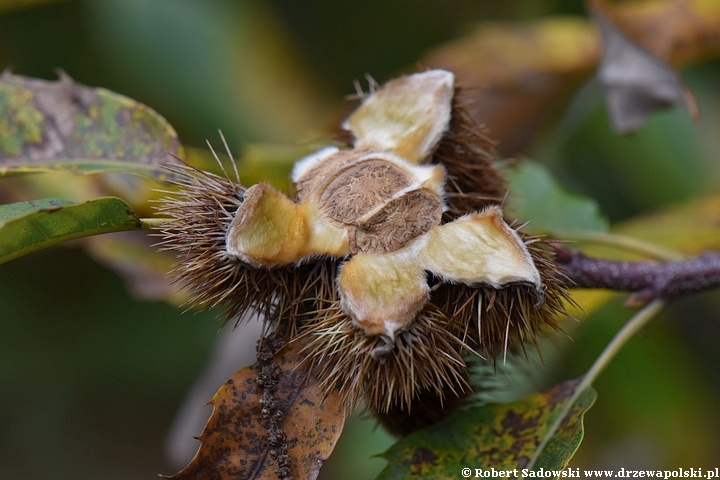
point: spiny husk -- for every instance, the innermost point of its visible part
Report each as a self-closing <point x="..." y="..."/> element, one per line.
<point x="473" y="181"/>
<point x="203" y="209"/>
<point x="427" y="359"/>
<point x="493" y="321"/>
<point x="302" y="301"/>
<point x="426" y="356"/>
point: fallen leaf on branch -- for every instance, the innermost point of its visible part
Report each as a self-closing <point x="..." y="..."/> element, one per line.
<point x="235" y="444"/>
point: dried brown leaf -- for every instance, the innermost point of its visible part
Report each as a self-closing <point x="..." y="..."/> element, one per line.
<point x="636" y="81"/>
<point x="679" y="32"/>
<point x="234" y="443"/>
<point x="520" y="76"/>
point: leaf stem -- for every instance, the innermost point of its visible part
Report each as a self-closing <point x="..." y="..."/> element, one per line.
<point x="150" y="223"/>
<point x="628" y="243"/>
<point x="634" y="325"/>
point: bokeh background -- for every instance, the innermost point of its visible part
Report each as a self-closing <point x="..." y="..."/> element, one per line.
<point x="92" y="376"/>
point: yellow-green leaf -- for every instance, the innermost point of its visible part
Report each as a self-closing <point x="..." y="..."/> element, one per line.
<point x="691" y="228"/>
<point x="503" y="437"/>
<point x="29" y="226"/>
<point x="143" y="268"/>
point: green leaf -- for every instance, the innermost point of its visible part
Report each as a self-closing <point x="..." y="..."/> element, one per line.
<point x="536" y="197"/>
<point x="29" y="226"/>
<point x="63" y="126"/>
<point x="13" y="210"/>
<point x="503" y="437"/>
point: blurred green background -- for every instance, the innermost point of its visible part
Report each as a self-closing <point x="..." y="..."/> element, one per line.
<point x="91" y="377"/>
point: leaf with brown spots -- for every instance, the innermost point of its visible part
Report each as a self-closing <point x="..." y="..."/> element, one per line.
<point x="234" y="444"/>
<point x="64" y="126"/>
<point x="503" y="437"/>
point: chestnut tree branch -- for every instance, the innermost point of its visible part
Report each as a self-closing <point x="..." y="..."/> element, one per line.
<point x="648" y="280"/>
